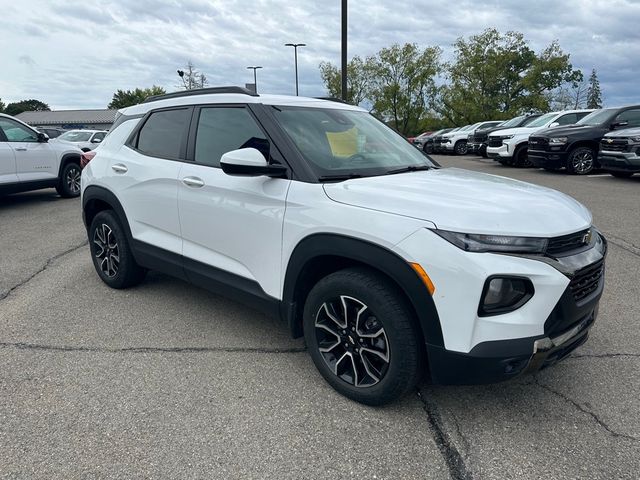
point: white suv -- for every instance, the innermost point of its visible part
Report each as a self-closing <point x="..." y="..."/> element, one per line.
<point x="29" y="162"/>
<point x="510" y="146"/>
<point x="85" y="140"/>
<point x="316" y="212"/>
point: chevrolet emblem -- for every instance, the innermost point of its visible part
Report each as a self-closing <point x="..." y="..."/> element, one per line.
<point x="609" y="140"/>
<point x="586" y="239"/>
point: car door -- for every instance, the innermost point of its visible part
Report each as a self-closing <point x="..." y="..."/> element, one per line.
<point x="35" y="160"/>
<point x="144" y="176"/>
<point x="7" y="162"/>
<point x="231" y="225"/>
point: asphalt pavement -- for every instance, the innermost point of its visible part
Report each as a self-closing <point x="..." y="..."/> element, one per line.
<point x="166" y="380"/>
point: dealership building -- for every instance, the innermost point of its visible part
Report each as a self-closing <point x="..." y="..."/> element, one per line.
<point x="100" y="119"/>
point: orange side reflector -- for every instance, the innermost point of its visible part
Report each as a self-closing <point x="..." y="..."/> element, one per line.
<point x="424" y="277"/>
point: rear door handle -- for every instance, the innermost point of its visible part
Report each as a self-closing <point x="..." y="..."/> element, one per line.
<point x="119" y="168"/>
<point x="194" y="182"/>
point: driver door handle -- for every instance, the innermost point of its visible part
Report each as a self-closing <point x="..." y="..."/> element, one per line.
<point x="21" y="149"/>
<point x="119" y="168"/>
<point x="194" y="182"/>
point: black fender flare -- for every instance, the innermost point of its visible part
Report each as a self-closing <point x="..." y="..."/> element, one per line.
<point x="370" y="254"/>
<point x="101" y="194"/>
<point x="68" y="158"/>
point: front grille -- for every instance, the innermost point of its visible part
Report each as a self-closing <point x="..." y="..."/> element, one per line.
<point x="495" y="142"/>
<point x="568" y="243"/>
<point x="587" y="280"/>
<point x="617" y="145"/>
<point x="480" y="138"/>
<point x="538" y="143"/>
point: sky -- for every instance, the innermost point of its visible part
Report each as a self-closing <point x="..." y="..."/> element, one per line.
<point x="77" y="53"/>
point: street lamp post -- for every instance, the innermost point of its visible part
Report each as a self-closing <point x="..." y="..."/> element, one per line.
<point x="295" y="49"/>
<point x="255" y="79"/>
<point x="344" y="50"/>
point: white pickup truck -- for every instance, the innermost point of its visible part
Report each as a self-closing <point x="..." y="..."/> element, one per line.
<point x="29" y="162"/>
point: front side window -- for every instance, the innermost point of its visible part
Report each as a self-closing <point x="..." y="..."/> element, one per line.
<point x="16" y="132"/>
<point x="98" y="137"/>
<point x="162" y="133"/>
<point x="76" y="136"/>
<point x="542" y="121"/>
<point x="630" y="116"/>
<point x="345" y="142"/>
<point x="597" y="117"/>
<point x="223" y="129"/>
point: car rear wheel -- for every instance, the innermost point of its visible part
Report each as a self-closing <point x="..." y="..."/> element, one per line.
<point x="581" y="161"/>
<point x="69" y="183"/>
<point x="362" y="337"/>
<point x="111" y="253"/>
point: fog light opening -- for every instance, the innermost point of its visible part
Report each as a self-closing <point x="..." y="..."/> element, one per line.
<point x="504" y="294"/>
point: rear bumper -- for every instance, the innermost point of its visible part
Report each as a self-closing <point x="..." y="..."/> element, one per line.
<point x="544" y="159"/>
<point x="619" y="161"/>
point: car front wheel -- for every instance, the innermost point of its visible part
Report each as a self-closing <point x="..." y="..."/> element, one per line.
<point x="581" y="161"/>
<point x="69" y="183"/>
<point x="362" y="336"/>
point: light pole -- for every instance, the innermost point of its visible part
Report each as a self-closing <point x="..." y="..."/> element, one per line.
<point x="255" y="80"/>
<point x="344" y="50"/>
<point x="295" y="49"/>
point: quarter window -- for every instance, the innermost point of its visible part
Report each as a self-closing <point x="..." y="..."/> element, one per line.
<point x="223" y="129"/>
<point x="16" y="132"/>
<point x="162" y="133"/>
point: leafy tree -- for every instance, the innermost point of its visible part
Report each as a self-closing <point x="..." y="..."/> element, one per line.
<point x="26" y="106"/>
<point x="594" y="94"/>
<point x="127" y="98"/>
<point x="2" y="105"/>
<point x="403" y="84"/>
<point x="358" y="79"/>
<point x="498" y="75"/>
<point x="192" y="78"/>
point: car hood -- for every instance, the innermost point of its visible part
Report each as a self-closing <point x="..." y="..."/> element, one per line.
<point x="464" y="201"/>
<point x="514" y="131"/>
<point x="567" y="130"/>
<point x="627" y="132"/>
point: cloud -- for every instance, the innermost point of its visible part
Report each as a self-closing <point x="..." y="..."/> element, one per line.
<point x="86" y="51"/>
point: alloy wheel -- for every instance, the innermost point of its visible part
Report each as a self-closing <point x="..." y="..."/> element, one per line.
<point x="352" y="341"/>
<point x="107" y="251"/>
<point x="582" y="162"/>
<point x="73" y="180"/>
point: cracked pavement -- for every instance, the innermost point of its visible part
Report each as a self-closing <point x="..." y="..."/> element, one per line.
<point x="167" y="380"/>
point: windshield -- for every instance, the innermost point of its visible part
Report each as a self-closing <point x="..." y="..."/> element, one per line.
<point x="75" y="136"/>
<point x="543" y="120"/>
<point x="514" y="122"/>
<point x="598" y="117"/>
<point x="345" y="142"/>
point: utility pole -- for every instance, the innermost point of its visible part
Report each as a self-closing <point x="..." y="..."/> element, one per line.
<point x="344" y="50"/>
<point x="295" y="48"/>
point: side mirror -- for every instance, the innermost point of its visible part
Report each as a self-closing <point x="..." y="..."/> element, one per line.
<point x="249" y="162"/>
<point x="617" y="125"/>
<point x="43" y="137"/>
<point x="554" y="124"/>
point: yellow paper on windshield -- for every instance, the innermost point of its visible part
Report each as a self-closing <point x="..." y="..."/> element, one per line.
<point x="343" y="144"/>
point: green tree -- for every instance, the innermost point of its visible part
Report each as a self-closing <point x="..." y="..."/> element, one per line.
<point x="127" y="98"/>
<point x="594" y="94"/>
<point x="358" y="79"/>
<point x="403" y="84"/>
<point x="498" y="75"/>
<point x="2" y="105"/>
<point x="26" y="106"/>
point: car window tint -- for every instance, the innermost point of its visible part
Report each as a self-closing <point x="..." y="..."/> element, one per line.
<point x="582" y="115"/>
<point x="162" y="133"/>
<point x="631" y="116"/>
<point x="98" y="136"/>
<point x="567" y="119"/>
<point x="16" y="132"/>
<point x="221" y="130"/>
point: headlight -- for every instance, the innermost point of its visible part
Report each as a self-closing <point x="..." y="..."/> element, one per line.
<point x="506" y="137"/>
<point x="557" y="140"/>
<point x="471" y="242"/>
<point x="635" y="139"/>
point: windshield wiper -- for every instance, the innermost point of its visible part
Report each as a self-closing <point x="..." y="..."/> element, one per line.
<point x="410" y="168"/>
<point x="339" y="177"/>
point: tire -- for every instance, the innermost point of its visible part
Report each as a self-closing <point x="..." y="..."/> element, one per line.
<point x="389" y="331"/>
<point x="460" y="148"/>
<point x="551" y="169"/>
<point x="483" y="152"/>
<point x="111" y="253"/>
<point x="621" y="174"/>
<point x="428" y="148"/>
<point x="520" y="158"/>
<point x="69" y="183"/>
<point x="581" y="161"/>
<point x="507" y="162"/>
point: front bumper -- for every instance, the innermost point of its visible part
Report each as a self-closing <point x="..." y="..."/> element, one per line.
<point x="502" y="152"/>
<point x="619" y="161"/>
<point x="475" y="147"/>
<point x="545" y="159"/>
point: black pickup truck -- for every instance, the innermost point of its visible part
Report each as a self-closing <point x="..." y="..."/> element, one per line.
<point x="575" y="147"/>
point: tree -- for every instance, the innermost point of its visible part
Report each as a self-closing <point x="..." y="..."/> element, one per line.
<point x="358" y="79"/>
<point x="403" y="84"/>
<point x="2" y="105"/>
<point x="26" y="106"/>
<point x="498" y="75"/>
<point x="127" y="98"/>
<point x="192" y="78"/>
<point x="594" y="94"/>
<point x="571" y="95"/>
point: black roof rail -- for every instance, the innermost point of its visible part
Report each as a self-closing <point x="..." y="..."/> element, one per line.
<point x="333" y="99"/>
<point x="201" y="91"/>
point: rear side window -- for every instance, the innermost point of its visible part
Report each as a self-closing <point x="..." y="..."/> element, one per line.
<point x="223" y="129"/>
<point x="163" y="132"/>
<point x="568" y="119"/>
<point x="582" y="115"/>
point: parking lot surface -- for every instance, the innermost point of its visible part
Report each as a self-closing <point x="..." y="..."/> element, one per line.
<point x="166" y="380"/>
